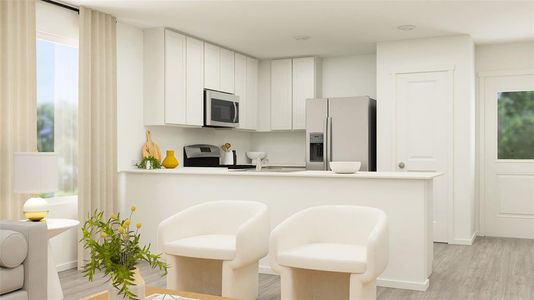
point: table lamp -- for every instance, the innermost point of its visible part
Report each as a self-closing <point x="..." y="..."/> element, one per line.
<point x="35" y="173"/>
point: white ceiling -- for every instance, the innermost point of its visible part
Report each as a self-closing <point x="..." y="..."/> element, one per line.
<point x="266" y="28"/>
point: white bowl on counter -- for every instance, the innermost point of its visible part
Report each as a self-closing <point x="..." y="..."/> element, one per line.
<point x="345" y="167"/>
<point x="256" y="155"/>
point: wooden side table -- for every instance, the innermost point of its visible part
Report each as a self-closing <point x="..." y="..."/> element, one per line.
<point x="152" y="290"/>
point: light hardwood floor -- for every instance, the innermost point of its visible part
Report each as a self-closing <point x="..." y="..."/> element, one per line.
<point x="493" y="268"/>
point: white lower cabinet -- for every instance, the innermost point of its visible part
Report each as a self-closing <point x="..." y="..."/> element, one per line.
<point x="173" y="78"/>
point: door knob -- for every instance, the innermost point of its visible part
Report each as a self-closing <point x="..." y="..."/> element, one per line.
<point x="401" y="165"/>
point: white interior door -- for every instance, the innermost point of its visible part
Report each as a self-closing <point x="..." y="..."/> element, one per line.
<point x="507" y="196"/>
<point x="423" y="135"/>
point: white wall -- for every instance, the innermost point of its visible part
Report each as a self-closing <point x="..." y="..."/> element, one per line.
<point x="445" y="52"/>
<point x="498" y="57"/>
<point x="130" y="129"/>
<point x="345" y="76"/>
<point x="509" y="56"/>
<point x="283" y="148"/>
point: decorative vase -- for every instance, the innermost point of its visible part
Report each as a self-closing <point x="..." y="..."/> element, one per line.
<point x="170" y="162"/>
<point x="138" y="288"/>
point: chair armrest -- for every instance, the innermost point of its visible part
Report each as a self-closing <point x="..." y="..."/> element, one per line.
<point x="252" y="239"/>
<point x="36" y="262"/>
<point x="377" y="250"/>
<point x="291" y="233"/>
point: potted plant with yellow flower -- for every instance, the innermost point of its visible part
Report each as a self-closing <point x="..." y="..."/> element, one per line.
<point x="115" y="250"/>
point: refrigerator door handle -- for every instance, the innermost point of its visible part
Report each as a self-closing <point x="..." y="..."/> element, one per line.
<point x="329" y="143"/>
<point x="325" y="156"/>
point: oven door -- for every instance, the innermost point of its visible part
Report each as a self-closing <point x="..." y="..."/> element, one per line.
<point x="222" y="110"/>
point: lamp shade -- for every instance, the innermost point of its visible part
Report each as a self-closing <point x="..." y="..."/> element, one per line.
<point x="35" y="172"/>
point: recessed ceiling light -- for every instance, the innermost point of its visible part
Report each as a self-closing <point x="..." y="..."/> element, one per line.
<point x="407" y="27"/>
<point x="301" y="37"/>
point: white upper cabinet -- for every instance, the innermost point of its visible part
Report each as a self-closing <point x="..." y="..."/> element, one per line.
<point x="195" y="81"/>
<point x="173" y="79"/>
<point x="241" y="87"/>
<point x="227" y="71"/>
<point x="281" y="94"/>
<point x="246" y="87"/>
<point x="175" y="94"/>
<point x="304" y="87"/>
<point x="218" y="68"/>
<point x="212" y="66"/>
<point x="177" y="69"/>
<point x="252" y="95"/>
<point x="153" y="83"/>
<point x="292" y="82"/>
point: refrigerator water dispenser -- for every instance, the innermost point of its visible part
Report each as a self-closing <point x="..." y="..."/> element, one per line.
<point x="316" y="147"/>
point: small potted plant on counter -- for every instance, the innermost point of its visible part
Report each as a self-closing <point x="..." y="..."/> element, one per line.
<point x="114" y="249"/>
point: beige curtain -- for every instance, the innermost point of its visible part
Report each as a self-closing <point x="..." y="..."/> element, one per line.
<point x="18" y="108"/>
<point x="97" y="117"/>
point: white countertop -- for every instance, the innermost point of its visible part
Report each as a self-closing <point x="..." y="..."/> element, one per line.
<point x="303" y="173"/>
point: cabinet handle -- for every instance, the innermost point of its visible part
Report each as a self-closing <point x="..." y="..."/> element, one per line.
<point x="401" y="165"/>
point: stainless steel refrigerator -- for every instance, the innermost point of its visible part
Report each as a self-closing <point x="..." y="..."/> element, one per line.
<point x="341" y="129"/>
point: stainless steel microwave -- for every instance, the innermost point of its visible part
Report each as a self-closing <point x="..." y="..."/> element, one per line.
<point x="220" y="109"/>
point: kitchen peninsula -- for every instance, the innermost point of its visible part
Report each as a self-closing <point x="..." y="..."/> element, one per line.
<point x="405" y="197"/>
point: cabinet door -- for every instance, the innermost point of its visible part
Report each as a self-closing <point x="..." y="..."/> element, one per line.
<point x="252" y="94"/>
<point x="195" y="82"/>
<point x="303" y="88"/>
<point x="227" y="71"/>
<point x="212" y="67"/>
<point x="281" y="94"/>
<point x="241" y="88"/>
<point x="175" y="95"/>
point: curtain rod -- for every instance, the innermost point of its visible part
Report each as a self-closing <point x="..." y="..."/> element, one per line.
<point x="60" y="4"/>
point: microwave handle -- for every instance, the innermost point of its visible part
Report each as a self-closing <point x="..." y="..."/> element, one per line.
<point x="235" y="112"/>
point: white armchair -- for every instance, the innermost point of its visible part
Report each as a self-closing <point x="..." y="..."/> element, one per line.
<point x="330" y="252"/>
<point x="215" y="247"/>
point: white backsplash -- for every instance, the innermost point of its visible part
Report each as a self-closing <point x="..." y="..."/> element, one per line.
<point x="175" y="138"/>
<point x="283" y="148"/>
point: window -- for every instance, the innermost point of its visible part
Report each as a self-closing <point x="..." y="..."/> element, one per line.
<point x="57" y="89"/>
<point x="516" y="125"/>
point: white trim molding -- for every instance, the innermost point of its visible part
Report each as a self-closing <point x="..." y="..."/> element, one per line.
<point x="500" y="73"/>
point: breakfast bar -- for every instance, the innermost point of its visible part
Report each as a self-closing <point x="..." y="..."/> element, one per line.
<point x="405" y="197"/>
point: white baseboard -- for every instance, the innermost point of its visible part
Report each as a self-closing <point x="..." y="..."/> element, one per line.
<point x="401" y="284"/>
<point x="66" y="266"/>
<point x="385" y="282"/>
<point x="466" y="242"/>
